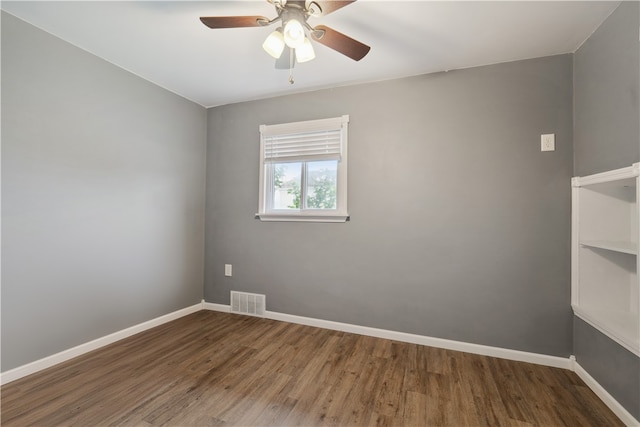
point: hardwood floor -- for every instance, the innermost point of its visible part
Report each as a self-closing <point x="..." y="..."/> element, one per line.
<point x="219" y="369"/>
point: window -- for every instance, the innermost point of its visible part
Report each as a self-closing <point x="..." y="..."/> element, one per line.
<point x="303" y="171"/>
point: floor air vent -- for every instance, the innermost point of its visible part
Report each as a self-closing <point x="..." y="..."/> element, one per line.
<point x="245" y="303"/>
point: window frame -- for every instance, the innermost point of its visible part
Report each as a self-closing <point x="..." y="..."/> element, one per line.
<point x="266" y="212"/>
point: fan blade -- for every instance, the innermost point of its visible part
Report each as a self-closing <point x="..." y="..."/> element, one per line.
<point x="327" y="6"/>
<point x="340" y="42"/>
<point x="284" y="62"/>
<point x="233" y="21"/>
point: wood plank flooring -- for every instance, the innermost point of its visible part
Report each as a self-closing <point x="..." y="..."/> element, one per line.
<point x="219" y="369"/>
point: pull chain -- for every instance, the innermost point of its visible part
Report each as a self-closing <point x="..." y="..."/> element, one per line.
<point x="291" y="59"/>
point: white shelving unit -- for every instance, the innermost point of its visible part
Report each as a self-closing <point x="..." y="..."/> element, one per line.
<point x="604" y="282"/>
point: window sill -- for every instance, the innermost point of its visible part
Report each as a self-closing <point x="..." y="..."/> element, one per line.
<point x="302" y="217"/>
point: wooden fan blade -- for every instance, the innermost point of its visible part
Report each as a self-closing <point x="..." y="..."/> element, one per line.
<point x="340" y="42"/>
<point x="328" y="6"/>
<point x="233" y="21"/>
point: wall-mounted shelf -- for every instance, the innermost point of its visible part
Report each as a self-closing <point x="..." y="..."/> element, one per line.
<point x="604" y="284"/>
<point x="624" y="247"/>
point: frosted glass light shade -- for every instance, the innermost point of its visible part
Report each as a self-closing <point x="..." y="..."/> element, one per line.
<point x="274" y="44"/>
<point x="293" y="33"/>
<point x="305" y="52"/>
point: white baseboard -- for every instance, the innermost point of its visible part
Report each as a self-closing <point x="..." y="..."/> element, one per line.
<point x="216" y="307"/>
<point x="38" y="365"/>
<point x="604" y="395"/>
<point x="503" y="353"/>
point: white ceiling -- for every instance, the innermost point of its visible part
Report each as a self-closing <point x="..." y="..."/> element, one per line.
<point x="164" y="41"/>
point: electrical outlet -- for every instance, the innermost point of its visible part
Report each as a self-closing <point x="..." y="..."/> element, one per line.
<point x="548" y="142"/>
<point x="227" y="270"/>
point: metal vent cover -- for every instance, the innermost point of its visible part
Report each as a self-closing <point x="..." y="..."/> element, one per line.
<point x="246" y="303"/>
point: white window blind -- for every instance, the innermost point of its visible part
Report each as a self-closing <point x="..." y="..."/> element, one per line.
<point x="303" y="146"/>
<point x="304" y="141"/>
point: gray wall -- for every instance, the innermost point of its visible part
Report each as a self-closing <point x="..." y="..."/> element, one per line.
<point x="606" y="81"/>
<point x="460" y="226"/>
<point x="607" y="136"/>
<point x="102" y="197"/>
<point x="614" y="367"/>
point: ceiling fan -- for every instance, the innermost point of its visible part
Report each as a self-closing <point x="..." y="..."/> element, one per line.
<point x="293" y="16"/>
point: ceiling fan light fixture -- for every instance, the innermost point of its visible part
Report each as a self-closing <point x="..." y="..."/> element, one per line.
<point x="293" y="33"/>
<point x="305" y="52"/>
<point x="274" y="44"/>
